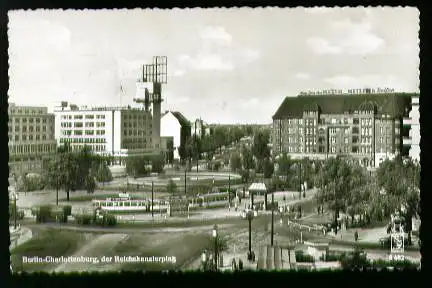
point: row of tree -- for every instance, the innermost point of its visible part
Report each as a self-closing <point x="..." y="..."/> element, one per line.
<point x="73" y="170"/>
<point x="347" y="187"/>
<point x="139" y="166"/>
<point x="196" y="147"/>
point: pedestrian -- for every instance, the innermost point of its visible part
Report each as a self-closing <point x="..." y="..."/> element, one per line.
<point x="356" y="235"/>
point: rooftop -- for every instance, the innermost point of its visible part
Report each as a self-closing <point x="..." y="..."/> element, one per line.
<point x="393" y="104"/>
<point x="181" y="118"/>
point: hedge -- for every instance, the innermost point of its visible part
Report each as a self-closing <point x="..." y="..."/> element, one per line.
<point x="301" y="257"/>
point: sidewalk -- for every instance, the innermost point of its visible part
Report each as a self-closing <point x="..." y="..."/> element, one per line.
<point x="19" y="236"/>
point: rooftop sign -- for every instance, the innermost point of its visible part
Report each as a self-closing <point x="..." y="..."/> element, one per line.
<point x="349" y="91"/>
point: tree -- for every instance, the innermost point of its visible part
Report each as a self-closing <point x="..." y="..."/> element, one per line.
<point x="136" y="166"/>
<point x="235" y="162"/>
<point x="171" y="187"/>
<point x="170" y="154"/>
<point x="103" y="174"/>
<point x="247" y="159"/>
<point x="219" y="137"/>
<point x="268" y="168"/>
<point x="399" y="179"/>
<point x="90" y="183"/>
<point x="260" y="147"/>
<point x="337" y="180"/>
<point x="157" y="163"/>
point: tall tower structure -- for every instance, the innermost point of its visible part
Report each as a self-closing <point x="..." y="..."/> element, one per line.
<point x="153" y="76"/>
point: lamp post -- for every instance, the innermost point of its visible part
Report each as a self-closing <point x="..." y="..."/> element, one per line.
<point x="272" y="221"/>
<point x="215" y="248"/>
<point x="15" y="198"/>
<point x="250" y="216"/>
<point x="185" y="181"/>
<point x="152" y="199"/>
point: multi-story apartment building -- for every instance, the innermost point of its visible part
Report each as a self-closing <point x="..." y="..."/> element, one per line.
<point x="31" y="137"/>
<point x="110" y="131"/>
<point x="199" y="128"/>
<point x="412" y="122"/>
<point x="363" y="123"/>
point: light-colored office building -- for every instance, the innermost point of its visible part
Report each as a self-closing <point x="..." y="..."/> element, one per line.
<point x="110" y="131"/>
<point x="31" y="137"/>
<point x="175" y="125"/>
<point x="366" y="124"/>
<point x="412" y="122"/>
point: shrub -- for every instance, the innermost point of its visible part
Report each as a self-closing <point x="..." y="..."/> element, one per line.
<point x="44" y="214"/>
<point x="110" y="220"/>
<point x="19" y="213"/>
<point x="86" y="219"/>
<point x="301" y="257"/>
<point x="67" y="210"/>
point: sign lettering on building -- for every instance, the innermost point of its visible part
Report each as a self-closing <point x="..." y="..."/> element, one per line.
<point x="348" y="91"/>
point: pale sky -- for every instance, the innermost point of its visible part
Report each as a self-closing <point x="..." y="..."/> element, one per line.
<point x="224" y="65"/>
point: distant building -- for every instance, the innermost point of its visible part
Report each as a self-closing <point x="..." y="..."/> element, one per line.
<point x="200" y="128"/>
<point x="175" y="125"/>
<point x="412" y="122"/>
<point x="31" y="137"/>
<point x="109" y="131"/>
<point x="362" y="124"/>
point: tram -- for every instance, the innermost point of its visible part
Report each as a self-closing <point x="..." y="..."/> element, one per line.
<point x="211" y="198"/>
<point x="129" y="204"/>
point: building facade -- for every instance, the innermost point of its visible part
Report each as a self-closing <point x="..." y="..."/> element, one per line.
<point x="364" y="124"/>
<point x="31" y="137"/>
<point x="199" y="128"/>
<point x="175" y="125"/>
<point x="110" y="131"/>
<point x="412" y="141"/>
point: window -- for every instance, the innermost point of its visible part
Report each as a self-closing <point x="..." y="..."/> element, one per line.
<point x="16" y="138"/>
<point x="333" y="140"/>
<point x="346" y="140"/>
<point x="24" y="137"/>
<point x="356" y="121"/>
<point x="333" y="149"/>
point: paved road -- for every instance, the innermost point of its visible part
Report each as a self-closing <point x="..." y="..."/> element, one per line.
<point x="126" y="230"/>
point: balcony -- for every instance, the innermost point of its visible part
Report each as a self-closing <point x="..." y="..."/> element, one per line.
<point x="407" y="141"/>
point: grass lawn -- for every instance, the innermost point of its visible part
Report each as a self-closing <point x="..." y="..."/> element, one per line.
<point x="181" y="223"/>
<point x="183" y="247"/>
<point x="46" y="242"/>
<point x="90" y="197"/>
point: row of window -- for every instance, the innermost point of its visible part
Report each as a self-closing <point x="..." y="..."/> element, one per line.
<point x="136" y="124"/>
<point x="135" y="132"/>
<point x="80" y="117"/>
<point x="37" y="120"/>
<point x="25" y="137"/>
<point x="82" y="140"/>
<point x="30" y="129"/>
<point x="334" y="149"/>
<point x="32" y="148"/>
<point x="81" y="132"/>
<point x="28" y="111"/>
<point x="135" y="146"/>
<point x="333" y="140"/>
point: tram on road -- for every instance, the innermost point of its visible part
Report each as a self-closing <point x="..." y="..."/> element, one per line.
<point x="130" y="204"/>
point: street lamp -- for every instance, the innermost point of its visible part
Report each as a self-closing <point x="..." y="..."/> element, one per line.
<point x="15" y="198"/>
<point x="215" y="248"/>
<point x="249" y="217"/>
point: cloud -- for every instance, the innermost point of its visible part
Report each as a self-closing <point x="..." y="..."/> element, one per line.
<point x="367" y="81"/>
<point x="250" y="55"/>
<point x="318" y="10"/>
<point x="349" y="38"/>
<point x="178" y="73"/>
<point x="206" y="61"/>
<point x="322" y="46"/>
<point x="216" y="34"/>
<point x="303" y="76"/>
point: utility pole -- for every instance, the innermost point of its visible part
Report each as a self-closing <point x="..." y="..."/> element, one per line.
<point x="152" y="200"/>
<point x="272" y="221"/>
<point x="185" y="182"/>
<point x="300" y="178"/>
<point x="229" y="189"/>
<point x="196" y="147"/>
